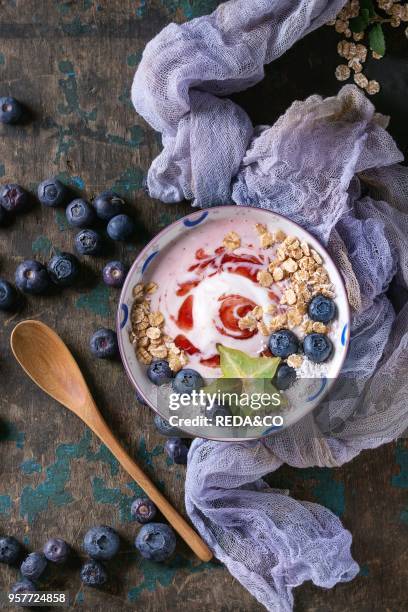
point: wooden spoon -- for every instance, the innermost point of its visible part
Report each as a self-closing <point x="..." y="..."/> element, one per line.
<point x="46" y="359"/>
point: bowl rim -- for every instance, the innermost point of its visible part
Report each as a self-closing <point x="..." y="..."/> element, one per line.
<point x="141" y="255"/>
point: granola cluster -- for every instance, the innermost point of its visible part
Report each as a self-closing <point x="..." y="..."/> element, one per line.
<point x="147" y="333"/>
<point x="299" y="270"/>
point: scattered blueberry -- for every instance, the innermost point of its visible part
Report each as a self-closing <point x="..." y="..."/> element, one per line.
<point x="23" y="586"/>
<point x="285" y="377"/>
<point x="9" y="550"/>
<point x="156" y="541"/>
<point x="8" y="295"/>
<point x="88" y="242"/>
<point x="93" y="573"/>
<point x="283" y="343"/>
<point x="11" y="110"/>
<point x="32" y="277"/>
<point x="80" y="213"/>
<point x="322" y="309"/>
<point x="114" y="273"/>
<point x="317" y="347"/>
<point x="165" y="429"/>
<point x="143" y="510"/>
<point x="14" y="198"/>
<point x="104" y="344"/>
<point x="63" y="269"/>
<point x="52" y="192"/>
<point x="108" y="204"/>
<point x="33" y="565"/>
<point x="159" y="372"/>
<point x="187" y="381"/>
<point x="177" y="450"/>
<point x="56" y="550"/>
<point x="101" y="542"/>
<point x="120" y="227"/>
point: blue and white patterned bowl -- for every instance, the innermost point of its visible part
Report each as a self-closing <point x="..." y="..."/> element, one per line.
<point x="139" y="273"/>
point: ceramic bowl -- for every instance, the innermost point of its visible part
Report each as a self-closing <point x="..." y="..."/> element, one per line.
<point x="139" y="273"/>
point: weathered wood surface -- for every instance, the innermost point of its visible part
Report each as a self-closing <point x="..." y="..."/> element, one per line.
<point x="72" y="63"/>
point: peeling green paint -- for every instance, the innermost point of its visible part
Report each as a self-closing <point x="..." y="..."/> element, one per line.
<point x="2" y="170"/>
<point x="328" y="491"/>
<point x="30" y="466"/>
<point x="401" y="456"/>
<point x="130" y="180"/>
<point x="41" y="246"/>
<point x="114" y="496"/>
<point x="134" y="58"/>
<point x="136" y="138"/>
<point x="404" y="516"/>
<point x="74" y="181"/>
<point x="163" y="574"/>
<point x="96" y="301"/>
<point x="364" y="571"/>
<point x="10" y="433"/>
<point x="5" y="504"/>
<point x="146" y="457"/>
<point x="35" y="500"/>
<point x="2" y="59"/>
<point x="61" y="220"/>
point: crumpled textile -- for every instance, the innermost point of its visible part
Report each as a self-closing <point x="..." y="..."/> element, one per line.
<point x="331" y="166"/>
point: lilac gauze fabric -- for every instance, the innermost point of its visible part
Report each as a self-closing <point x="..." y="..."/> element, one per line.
<point x="330" y="165"/>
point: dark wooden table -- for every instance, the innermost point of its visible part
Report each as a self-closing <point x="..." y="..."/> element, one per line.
<point x="72" y="63"/>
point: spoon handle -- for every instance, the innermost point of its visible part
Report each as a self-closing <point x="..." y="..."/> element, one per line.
<point x="96" y="422"/>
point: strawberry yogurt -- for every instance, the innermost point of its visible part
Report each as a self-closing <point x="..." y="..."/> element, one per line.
<point x="204" y="289"/>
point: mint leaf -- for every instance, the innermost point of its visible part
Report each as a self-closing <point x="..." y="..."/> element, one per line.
<point x="237" y="364"/>
<point x="376" y="39"/>
<point x="360" y="23"/>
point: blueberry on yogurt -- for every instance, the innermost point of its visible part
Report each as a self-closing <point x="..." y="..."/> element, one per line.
<point x="283" y="343"/>
<point x="285" y="377"/>
<point x="322" y="309"/>
<point x="187" y="381"/>
<point x="317" y="347"/>
<point x="159" y="372"/>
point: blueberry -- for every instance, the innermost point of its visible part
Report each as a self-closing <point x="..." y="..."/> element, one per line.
<point x="11" y="111"/>
<point x="156" y="541"/>
<point x="177" y="450"/>
<point x="187" y="381"/>
<point x="33" y="565"/>
<point x="88" y="242"/>
<point x="8" y="295"/>
<point x="143" y="510"/>
<point x="285" y="377"/>
<point x="32" y="277"/>
<point x="165" y="429"/>
<point x="159" y="372"/>
<point x="317" y="347"/>
<point x="114" y="273"/>
<point x="322" y="309"/>
<point x="283" y="343"/>
<point x="104" y="344"/>
<point x="52" y="192"/>
<point x="108" y="204"/>
<point x="63" y="269"/>
<point x="93" y="573"/>
<point x="23" y="586"/>
<point x="9" y="550"/>
<point x="101" y="542"/>
<point x="80" y="213"/>
<point x="14" y="198"/>
<point x="120" y="227"/>
<point x="56" y="550"/>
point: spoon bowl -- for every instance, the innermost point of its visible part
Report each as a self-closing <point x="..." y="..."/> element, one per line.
<point x="49" y="363"/>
